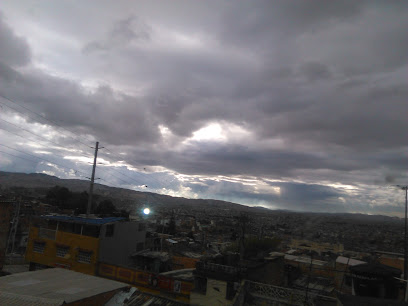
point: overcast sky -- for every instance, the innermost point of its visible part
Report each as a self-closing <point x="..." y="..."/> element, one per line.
<point x="298" y="105"/>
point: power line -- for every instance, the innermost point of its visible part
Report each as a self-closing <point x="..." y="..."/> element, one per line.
<point x="4" y="97"/>
<point x="35" y="119"/>
<point x="18" y="156"/>
<point x="111" y="174"/>
<point x="135" y="162"/>
<point x="46" y="140"/>
<point x="29" y="138"/>
<point x="49" y="120"/>
<point x="44" y="159"/>
<point x="17" y="126"/>
<point x="30" y="160"/>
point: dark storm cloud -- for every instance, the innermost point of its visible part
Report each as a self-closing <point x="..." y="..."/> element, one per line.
<point x="319" y="87"/>
<point x="315" y="71"/>
<point x="123" y="32"/>
<point x="14" y="50"/>
<point x="115" y="119"/>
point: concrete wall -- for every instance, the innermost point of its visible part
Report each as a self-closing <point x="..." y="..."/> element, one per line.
<point x="271" y="272"/>
<point x="215" y="295"/>
<point x="118" y="248"/>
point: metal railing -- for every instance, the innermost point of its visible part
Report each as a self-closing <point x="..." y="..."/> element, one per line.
<point x="279" y="295"/>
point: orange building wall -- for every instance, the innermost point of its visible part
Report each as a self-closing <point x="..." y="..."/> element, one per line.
<point x="179" y="262"/>
<point x="147" y="281"/>
<point x="74" y="241"/>
<point x="392" y="262"/>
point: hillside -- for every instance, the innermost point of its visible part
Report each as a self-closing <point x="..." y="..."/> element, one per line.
<point x="123" y="198"/>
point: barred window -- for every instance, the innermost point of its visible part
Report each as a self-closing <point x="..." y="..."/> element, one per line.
<point x="84" y="256"/>
<point x="39" y="247"/>
<point x="62" y="251"/>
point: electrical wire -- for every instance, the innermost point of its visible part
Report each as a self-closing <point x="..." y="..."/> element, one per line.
<point x="44" y="159"/>
<point x="75" y="138"/>
<point x="38" y="114"/>
<point x="21" y="128"/>
<point x="4" y="97"/>
<point x="47" y="140"/>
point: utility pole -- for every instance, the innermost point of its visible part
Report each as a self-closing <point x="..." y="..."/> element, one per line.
<point x="405" y="240"/>
<point x="13" y="230"/>
<point x="88" y="208"/>
<point x="308" y="279"/>
<point x="243" y="219"/>
<point x="405" y="236"/>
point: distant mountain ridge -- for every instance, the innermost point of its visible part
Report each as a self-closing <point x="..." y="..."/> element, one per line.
<point x="127" y="199"/>
<point x="123" y="197"/>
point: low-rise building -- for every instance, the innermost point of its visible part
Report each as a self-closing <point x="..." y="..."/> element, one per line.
<point x="215" y="284"/>
<point x="342" y="278"/>
<point x="57" y="287"/>
<point x="80" y="243"/>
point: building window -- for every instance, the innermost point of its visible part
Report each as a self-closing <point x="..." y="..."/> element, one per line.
<point x="109" y="230"/>
<point x="84" y="256"/>
<point x="39" y="247"/>
<point x="62" y="251"/>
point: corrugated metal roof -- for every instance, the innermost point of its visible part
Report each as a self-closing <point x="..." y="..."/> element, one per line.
<point x="349" y="261"/>
<point x="53" y="284"/>
<point x="77" y="219"/>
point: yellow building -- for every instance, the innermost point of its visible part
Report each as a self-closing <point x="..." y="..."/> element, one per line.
<point x="98" y="246"/>
<point x="79" y="243"/>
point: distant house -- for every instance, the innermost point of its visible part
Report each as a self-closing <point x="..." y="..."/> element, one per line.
<point x="375" y="280"/>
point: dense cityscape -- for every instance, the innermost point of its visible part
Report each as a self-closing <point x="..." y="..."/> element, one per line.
<point x="221" y="253"/>
<point x="190" y="152"/>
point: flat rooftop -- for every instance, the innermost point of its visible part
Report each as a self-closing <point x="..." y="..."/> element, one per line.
<point x="52" y="287"/>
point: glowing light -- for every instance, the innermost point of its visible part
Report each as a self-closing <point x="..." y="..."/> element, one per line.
<point x="146" y="211"/>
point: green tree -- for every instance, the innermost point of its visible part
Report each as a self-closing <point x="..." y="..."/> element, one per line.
<point x="59" y="195"/>
<point x="105" y="207"/>
<point x="79" y="202"/>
